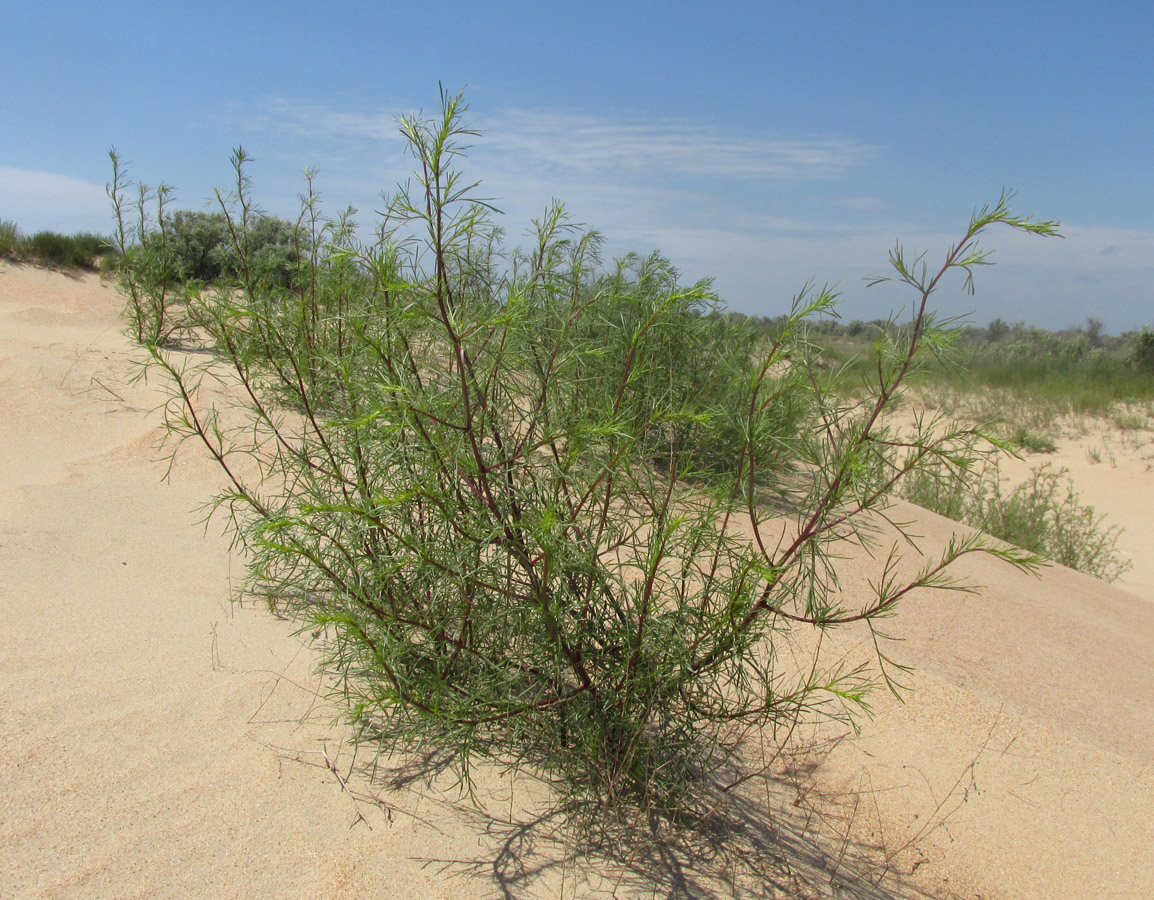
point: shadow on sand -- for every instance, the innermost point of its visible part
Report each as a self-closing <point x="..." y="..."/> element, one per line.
<point x="775" y="836"/>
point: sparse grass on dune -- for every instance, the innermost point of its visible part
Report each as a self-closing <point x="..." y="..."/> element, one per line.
<point x="1030" y="423"/>
<point x="1030" y="388"/>
<point x="82" y="250"/>
<point x="1038" y="385"/>
<point x="9" y="238"/>
<point x="1092" y="386"/>
<point x="1043" y="514"/>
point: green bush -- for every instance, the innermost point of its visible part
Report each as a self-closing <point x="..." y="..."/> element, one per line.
<point x="1042" y="515"/>
<point x="50" y="248"/>
<point x="502" y="487"/>
<point x="91" y="247"/>
<point x="695" y="359"/>
<point x="202" y="244"/>
<point x="199" y="242"/>
<point x="1143" y="352"/>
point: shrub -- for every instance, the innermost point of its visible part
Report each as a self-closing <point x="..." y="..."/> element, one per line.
<point x="51" y="248"/>
<point x="1042" y="515"/>
<point x="202" y="244"/>
<point x="1143" y="352"/>
<point x="502" y="487"/>
<point x="695" y="359"/>
<point x="199" y="241"/>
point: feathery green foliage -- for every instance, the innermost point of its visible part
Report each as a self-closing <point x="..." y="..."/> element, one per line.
<point x="170" y="256"/>
<point x="203" y="248"/>
<point x="533" y="506"/>
<point x="1142" y="353"/>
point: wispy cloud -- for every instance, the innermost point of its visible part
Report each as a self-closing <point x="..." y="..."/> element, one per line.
<point x="311" y="122"/>
<point x="666" y="183"/>
<point x="542" y="141"/>
<point x="596" y="145"/>
<point x="649" y="171"/>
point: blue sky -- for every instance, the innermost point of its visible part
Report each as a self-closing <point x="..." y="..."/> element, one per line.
<point x="763" y="144"/>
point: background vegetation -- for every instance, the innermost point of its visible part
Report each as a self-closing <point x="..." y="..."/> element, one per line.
<point x="1079" y="370"/>
<point x="1043" y="514"/>
<point x="203" y="251"/>
<point x="1025" y="383"/>
<point x="186" y="248"/>
<point x="48" y="248"/>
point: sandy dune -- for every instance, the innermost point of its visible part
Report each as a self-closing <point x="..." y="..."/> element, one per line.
<point x="159" y="741"/>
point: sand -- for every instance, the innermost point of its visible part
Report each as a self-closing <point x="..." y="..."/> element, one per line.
<point x="159" y="740"/>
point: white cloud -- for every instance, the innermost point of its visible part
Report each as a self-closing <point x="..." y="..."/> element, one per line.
<point x="595" y="145"/>
<point x="38" y="201"/>
<point x="316" y="122"/>
<point x="611" y="167"/>
<point x="699" y="194"/>
<point x="544" y="142"/>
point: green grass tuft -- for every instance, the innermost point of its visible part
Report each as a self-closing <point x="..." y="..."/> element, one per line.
<point x="82" y="250"/>
<point x="9" y="238"/>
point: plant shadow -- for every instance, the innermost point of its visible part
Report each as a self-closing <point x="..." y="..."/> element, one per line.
<point x="776" y="836"/>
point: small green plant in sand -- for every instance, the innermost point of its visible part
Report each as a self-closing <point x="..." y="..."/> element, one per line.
<point x="538" y="509"/>
<point x="1025" y="439"/>
<point x="1043" y="514"/>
